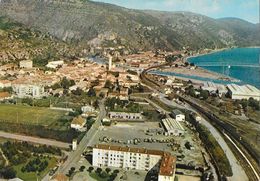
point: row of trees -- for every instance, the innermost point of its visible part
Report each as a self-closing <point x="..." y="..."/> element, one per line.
<point x="35" y="165"/>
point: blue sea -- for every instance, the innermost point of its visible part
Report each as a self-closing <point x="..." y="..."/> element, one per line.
<point x="239" y="63"/>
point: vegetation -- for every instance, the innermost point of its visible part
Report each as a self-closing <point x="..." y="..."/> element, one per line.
<point x="27" y="161"/>
<point x="29" y="115"/>
<point x="101" y="175"/>
<point x="115" y="104"/>
<point x="213" y="148"/>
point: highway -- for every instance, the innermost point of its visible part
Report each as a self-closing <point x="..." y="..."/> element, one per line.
<point x="74" y="156"/>
<point x="34" y="140"/>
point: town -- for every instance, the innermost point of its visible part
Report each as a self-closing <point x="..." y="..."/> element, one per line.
<point x="114" y="117"/>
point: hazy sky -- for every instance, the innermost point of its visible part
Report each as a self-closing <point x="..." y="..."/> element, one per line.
<point x="245" y="9"/>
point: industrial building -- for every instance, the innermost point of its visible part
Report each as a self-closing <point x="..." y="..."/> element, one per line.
<point x="135" y="158"/>
<point x="215" y="88"/>
<point x="173" y="127"/>
<point x="243" y="92"/>
<point x="178" y="115"/>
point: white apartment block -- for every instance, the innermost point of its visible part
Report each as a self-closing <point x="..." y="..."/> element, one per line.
<point x="135" y="158"/>
<point x="125" y="116"/>
<point x="26" y="90"/>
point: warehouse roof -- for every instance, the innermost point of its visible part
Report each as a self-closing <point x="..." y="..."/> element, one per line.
<point x="172" y="124"/>
<point x="244" y="90"/>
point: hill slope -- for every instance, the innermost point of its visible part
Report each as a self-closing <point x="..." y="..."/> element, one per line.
<point x="103" y="25"/>
<point x="20" y="43"/>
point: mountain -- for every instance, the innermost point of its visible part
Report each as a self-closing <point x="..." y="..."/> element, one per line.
<point x="100" y="26"/>
<point x="20" y="43"/>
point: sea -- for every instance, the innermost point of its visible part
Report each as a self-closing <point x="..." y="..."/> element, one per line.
<point x="240" y="63"/>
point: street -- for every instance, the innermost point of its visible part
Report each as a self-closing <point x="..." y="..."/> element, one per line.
<point x="34" y="140"/>
<point x="75" y="156"/>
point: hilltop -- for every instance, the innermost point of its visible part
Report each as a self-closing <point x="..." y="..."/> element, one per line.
<point x="99" y="26"/>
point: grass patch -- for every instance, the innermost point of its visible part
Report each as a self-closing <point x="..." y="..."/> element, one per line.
<point x="29" y="115"/>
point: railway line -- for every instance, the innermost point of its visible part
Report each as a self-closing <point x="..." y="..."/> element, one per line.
<point x="248" y="159"/>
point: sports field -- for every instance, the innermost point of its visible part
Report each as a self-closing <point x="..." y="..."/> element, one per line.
<point x="29" y="115"/>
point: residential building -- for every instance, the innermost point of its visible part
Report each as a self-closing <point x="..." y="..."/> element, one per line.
<point x="27" y="90"/>
<point x="5" y="96"/>
<point x="5" y="83"/>
<point x="125" y="116"/>
<point x="26" y="64"/>
<point x="167" y="168"/>
<point x="173" y="127"/>
<point x="87" y="108"/>
<point x="243" y="92"/>
<point x="78" y="123"/>
<point x="135" y="158"/>
<point x="178" y="115"/>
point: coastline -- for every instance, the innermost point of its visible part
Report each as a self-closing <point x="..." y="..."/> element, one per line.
<point x="199" y="74"/>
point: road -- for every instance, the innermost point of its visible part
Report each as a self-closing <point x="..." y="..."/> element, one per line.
<point x="34" y="140"/>
<point x="75" y="156"/>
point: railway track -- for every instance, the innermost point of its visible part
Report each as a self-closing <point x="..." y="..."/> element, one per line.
<point x="243" y="154"/>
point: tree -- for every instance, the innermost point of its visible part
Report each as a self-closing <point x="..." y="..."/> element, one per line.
<point x="108" y="170"/>
<point x="108" y="84"/>
<point x="204" y="94"/>
<point x="82" y="168"/>
<point x="8" y="173"/>
<point x="90" y="169"/>
<point x="91" y="92"/>
<point x="65" y="83"/>
<point x="77" y="92"/>
<point x="99" y="170"/>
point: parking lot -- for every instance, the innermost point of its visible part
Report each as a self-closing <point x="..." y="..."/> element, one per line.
<point x="149" y="135"/>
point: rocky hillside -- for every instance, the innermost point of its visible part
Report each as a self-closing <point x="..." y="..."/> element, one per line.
<point x="100" y="25"/>
<point x="20" y="43"/>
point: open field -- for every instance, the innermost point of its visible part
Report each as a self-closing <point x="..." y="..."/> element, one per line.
<point x="29" y="115"/>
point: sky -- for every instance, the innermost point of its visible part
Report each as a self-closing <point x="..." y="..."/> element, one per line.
<point x="244" y="9"/>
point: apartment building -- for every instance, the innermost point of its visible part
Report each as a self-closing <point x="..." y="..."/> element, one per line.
<point x="135" y="158"/>
<point x="27" y="90"/>
<point x="125" y="116"/>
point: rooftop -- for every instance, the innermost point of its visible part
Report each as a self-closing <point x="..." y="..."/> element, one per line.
<point x="176" y="112"/>
<point x="4" y="95"/>
<point x="168" y="165"/>
<point x="128" y="149"/>
<point x="79" y="121"/>
<point x="244" y="89"/>
<point x="172" y="124"/>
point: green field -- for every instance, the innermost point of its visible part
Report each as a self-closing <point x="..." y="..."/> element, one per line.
<point x="29" y="115"/>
